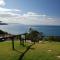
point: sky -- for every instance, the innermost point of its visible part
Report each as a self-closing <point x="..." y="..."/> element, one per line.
<point x="30" y="12"/>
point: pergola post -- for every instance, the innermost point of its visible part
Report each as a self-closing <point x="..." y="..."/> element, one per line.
<point x="12" y="38"/>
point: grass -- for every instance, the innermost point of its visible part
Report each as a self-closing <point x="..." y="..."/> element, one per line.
<point x="39" y="51"/>
<point x="6" y="52"/>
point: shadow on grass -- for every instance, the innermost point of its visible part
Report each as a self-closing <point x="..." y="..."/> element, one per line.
<point x="17" y="51"/>
<point x="22" y="55"/>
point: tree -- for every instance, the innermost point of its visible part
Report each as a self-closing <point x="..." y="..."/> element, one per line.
<point x="35" y="35"/>
<point x="53" y="38"/>
<point x="2" y="32"/>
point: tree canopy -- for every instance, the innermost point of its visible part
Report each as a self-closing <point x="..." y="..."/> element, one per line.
<point x="2" y="32"/>
<point x="35" y="35"/>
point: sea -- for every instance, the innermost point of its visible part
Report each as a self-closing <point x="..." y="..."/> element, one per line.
<point x="48" y="30"/>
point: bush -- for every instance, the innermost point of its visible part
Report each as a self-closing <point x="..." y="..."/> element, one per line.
<point x="53" y="38"/>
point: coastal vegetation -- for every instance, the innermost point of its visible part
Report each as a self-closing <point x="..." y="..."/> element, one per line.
<point x="29" y="46"/>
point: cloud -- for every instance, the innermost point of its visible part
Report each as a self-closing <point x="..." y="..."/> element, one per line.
<point x="7" y="10"/>
<point x="32" y="14"/>
<point x="2" y="3"/>
<point x="4" y="12"/>
<point x="29" y="18"/>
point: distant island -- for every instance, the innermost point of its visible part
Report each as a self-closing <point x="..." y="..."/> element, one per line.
<point x="1" y="23"/>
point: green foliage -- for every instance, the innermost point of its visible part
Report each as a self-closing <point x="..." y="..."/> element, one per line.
<point x="35" y="36"/>
<point x="2" y="32"/>
<point x="53" y="38"/>
<point x="27" y="36"/>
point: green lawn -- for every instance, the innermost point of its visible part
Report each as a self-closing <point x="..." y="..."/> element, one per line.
<point x="39" y="51"/>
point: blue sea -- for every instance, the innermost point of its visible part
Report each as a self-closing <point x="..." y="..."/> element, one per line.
<point x="20" y="29"/>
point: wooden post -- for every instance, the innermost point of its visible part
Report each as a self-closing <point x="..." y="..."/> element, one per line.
<point x="20" y="39"/>
<point x="12" y="38"/>
<point x="25" y="38"/>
